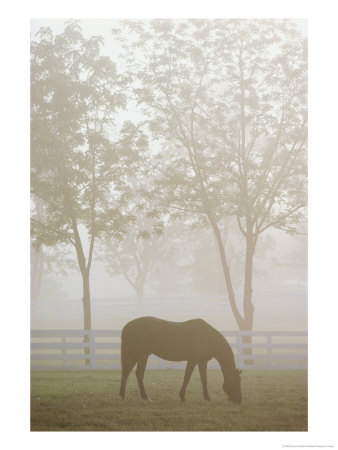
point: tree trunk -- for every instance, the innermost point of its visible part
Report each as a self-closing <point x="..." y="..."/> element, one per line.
<point x="87" y="325"/>
<point x="140" y="282"/>
<point x="87" y="321"/>
<point x="248" y="307"/>
<point x="226" y="273"/>
<point x="244" y="323"/>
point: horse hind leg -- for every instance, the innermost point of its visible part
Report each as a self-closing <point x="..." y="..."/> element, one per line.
<point x="141" y="365"/>
<point x="127" y="365"/>
<point x="202" y="365"/>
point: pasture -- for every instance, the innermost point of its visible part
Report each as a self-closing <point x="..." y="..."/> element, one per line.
<point x="89" y="401"/>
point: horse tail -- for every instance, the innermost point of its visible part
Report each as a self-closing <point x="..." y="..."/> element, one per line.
<point x="126" y="363"/>
<point x="126" y="349"/>
<point x="123" y="349"/>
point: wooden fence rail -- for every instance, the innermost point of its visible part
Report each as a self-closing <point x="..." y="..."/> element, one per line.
<point x="64" y="349"/>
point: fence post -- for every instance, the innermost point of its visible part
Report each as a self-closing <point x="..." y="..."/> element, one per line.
<point x="92" y="349"/>
<point x="239" y="350"/>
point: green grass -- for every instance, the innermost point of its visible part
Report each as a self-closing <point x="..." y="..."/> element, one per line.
<point x="89" y="401"/>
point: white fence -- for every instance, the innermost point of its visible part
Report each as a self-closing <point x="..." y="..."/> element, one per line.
<point x="65" y="349"/>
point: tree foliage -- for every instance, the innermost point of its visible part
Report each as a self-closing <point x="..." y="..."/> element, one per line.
<point x="226" y="100"/>
<point x="223" y="139"/>
<point x="80" y="155"/>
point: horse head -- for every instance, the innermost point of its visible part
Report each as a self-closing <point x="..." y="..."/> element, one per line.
<point x="232" y="386"/>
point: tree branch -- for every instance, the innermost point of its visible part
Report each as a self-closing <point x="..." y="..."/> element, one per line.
<point x="280" y="219"/>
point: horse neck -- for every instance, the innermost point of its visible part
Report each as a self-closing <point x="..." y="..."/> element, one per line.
<point x="226" y="360"/>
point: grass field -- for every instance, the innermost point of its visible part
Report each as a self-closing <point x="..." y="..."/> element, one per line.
<point x="89" y="401"/>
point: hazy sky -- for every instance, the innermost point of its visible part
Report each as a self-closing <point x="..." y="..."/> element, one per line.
<point x="103" y="27"/>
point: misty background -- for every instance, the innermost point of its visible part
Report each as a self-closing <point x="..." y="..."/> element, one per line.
<point x="184" y="278"/>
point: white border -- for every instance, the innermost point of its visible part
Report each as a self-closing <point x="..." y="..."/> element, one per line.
<point x="15" y="223"/>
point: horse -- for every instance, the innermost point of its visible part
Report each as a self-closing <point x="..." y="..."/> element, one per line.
<point x="194" y="341"/>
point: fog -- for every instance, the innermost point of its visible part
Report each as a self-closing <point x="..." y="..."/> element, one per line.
<point x="280" y="296"/>
<point x="180" y="228"/>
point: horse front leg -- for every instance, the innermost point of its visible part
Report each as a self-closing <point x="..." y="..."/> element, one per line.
<point x="188" y="371"/>
<point x="141" y="365"/>
<point x="202" y="365"/>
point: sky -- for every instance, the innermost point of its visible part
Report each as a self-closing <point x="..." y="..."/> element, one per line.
<point x="102" y="27"/>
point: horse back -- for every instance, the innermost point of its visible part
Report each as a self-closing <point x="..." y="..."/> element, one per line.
<point x="174" y="341"/>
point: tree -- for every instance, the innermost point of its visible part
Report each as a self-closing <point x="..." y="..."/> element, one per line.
<point x="37" y="257"/>
<point x="205" y="272"/>
<point x="134" y="255"/>
<point x="79" y="161"/>
<point x="46" y="259"/>
<point x="37" y="264"/>
<point x="226" y="99"/>
<point x="263" y="125"/>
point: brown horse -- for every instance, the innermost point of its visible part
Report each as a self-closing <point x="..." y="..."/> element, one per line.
<point x="194" y="341"/>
